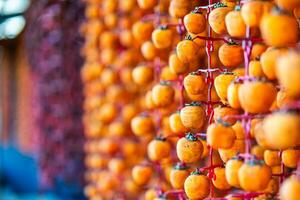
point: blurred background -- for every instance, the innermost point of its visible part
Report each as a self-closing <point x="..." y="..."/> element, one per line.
<point x="41" y="134"/>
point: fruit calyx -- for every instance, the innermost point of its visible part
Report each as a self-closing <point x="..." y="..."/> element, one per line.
<point x="188" y="37"/>
<point x="191" y="137"/>
<point x="197" y="10"/>
<point x="236" y="157"/>
<point x="160" y="138"/>
<point x="181" y="166"/>
<point x="194" y="103"/>
<point x="222" y="122"/>
<point x="195" y="73"/>
<point x="220" y="5"/>
<point x="232" y="42"/>
<point x="278" y="11"/>
<point x="163" y="27"/>
<point x="237" y="8"/>
<point x="254" y="162"/>
<point x="196" y="172"/>
<point x="165" y="83"/>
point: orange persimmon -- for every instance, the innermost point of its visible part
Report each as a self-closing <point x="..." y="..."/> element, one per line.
<point x="233" y="95"/>
<point x="196" y="186"/>
<point x="189" y="149"/>
<point x="142" y="30"/>
<point x="231" y="54"/>
<point x="254" y="175"/>
<point x="232" y="168"/>
<point x="235" y="24"/>
<point x="272" y="158"/>
<point x="288" y="73"/>
<point x="221" y="112"/>
<point x="290" y="157"/>
<point x="290" y="188"/>
<point x="282" y="129"/>
<point x="187" y="50"/>
<point x="176" y="65"/>
<point x="255" y="69"/>
<point x="195" y="22"/>
<point x="268" y="61"/>
<point x="178" y="175"/>
<point x="142" y="125"/>
<point x="148" y="50"/>
<point x="193" y="116"/>
<point x="222" y="83"/>
<point x="252" y="12"/>
<point x="194" y="83"/>
<point x="142" y="74"/>
<point x="220" y="182"/>
<point x="146" y="4"/>
<point x="257" y="96"/>
<point x="141" y="174"/>
<point x="158" y="149"/>
<point x="216" y="18"/>
<point x="163" y="94"/>
<point x="162" y="37"/>
<point x="220" y="135"/>
<point x="176" y="123"/>
<point x="272" y="27"/>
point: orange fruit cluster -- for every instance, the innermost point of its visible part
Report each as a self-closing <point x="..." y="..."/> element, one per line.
<point x="188" y="99"/>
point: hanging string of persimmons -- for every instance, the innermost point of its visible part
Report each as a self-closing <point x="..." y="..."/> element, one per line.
<point x="189" y="99"/>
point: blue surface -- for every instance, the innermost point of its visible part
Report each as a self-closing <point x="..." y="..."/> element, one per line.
<point x="19" y="170"/>
<point x="8" y="194"/>
<point x="20" y="174"/>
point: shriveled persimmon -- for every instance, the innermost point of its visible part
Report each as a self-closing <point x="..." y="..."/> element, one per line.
<point x="216" y="18"/>
<point x="193" y="116"/>
<point x="196" y="186"/>
<point x="194" y="83"/>
<point x="189" y="149"/>
<point x="187" y="50"/>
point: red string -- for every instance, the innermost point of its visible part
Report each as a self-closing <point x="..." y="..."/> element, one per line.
<point x="246" y="122"/>
<point x="210" y="81"/>
<point x="181" y="30"/>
